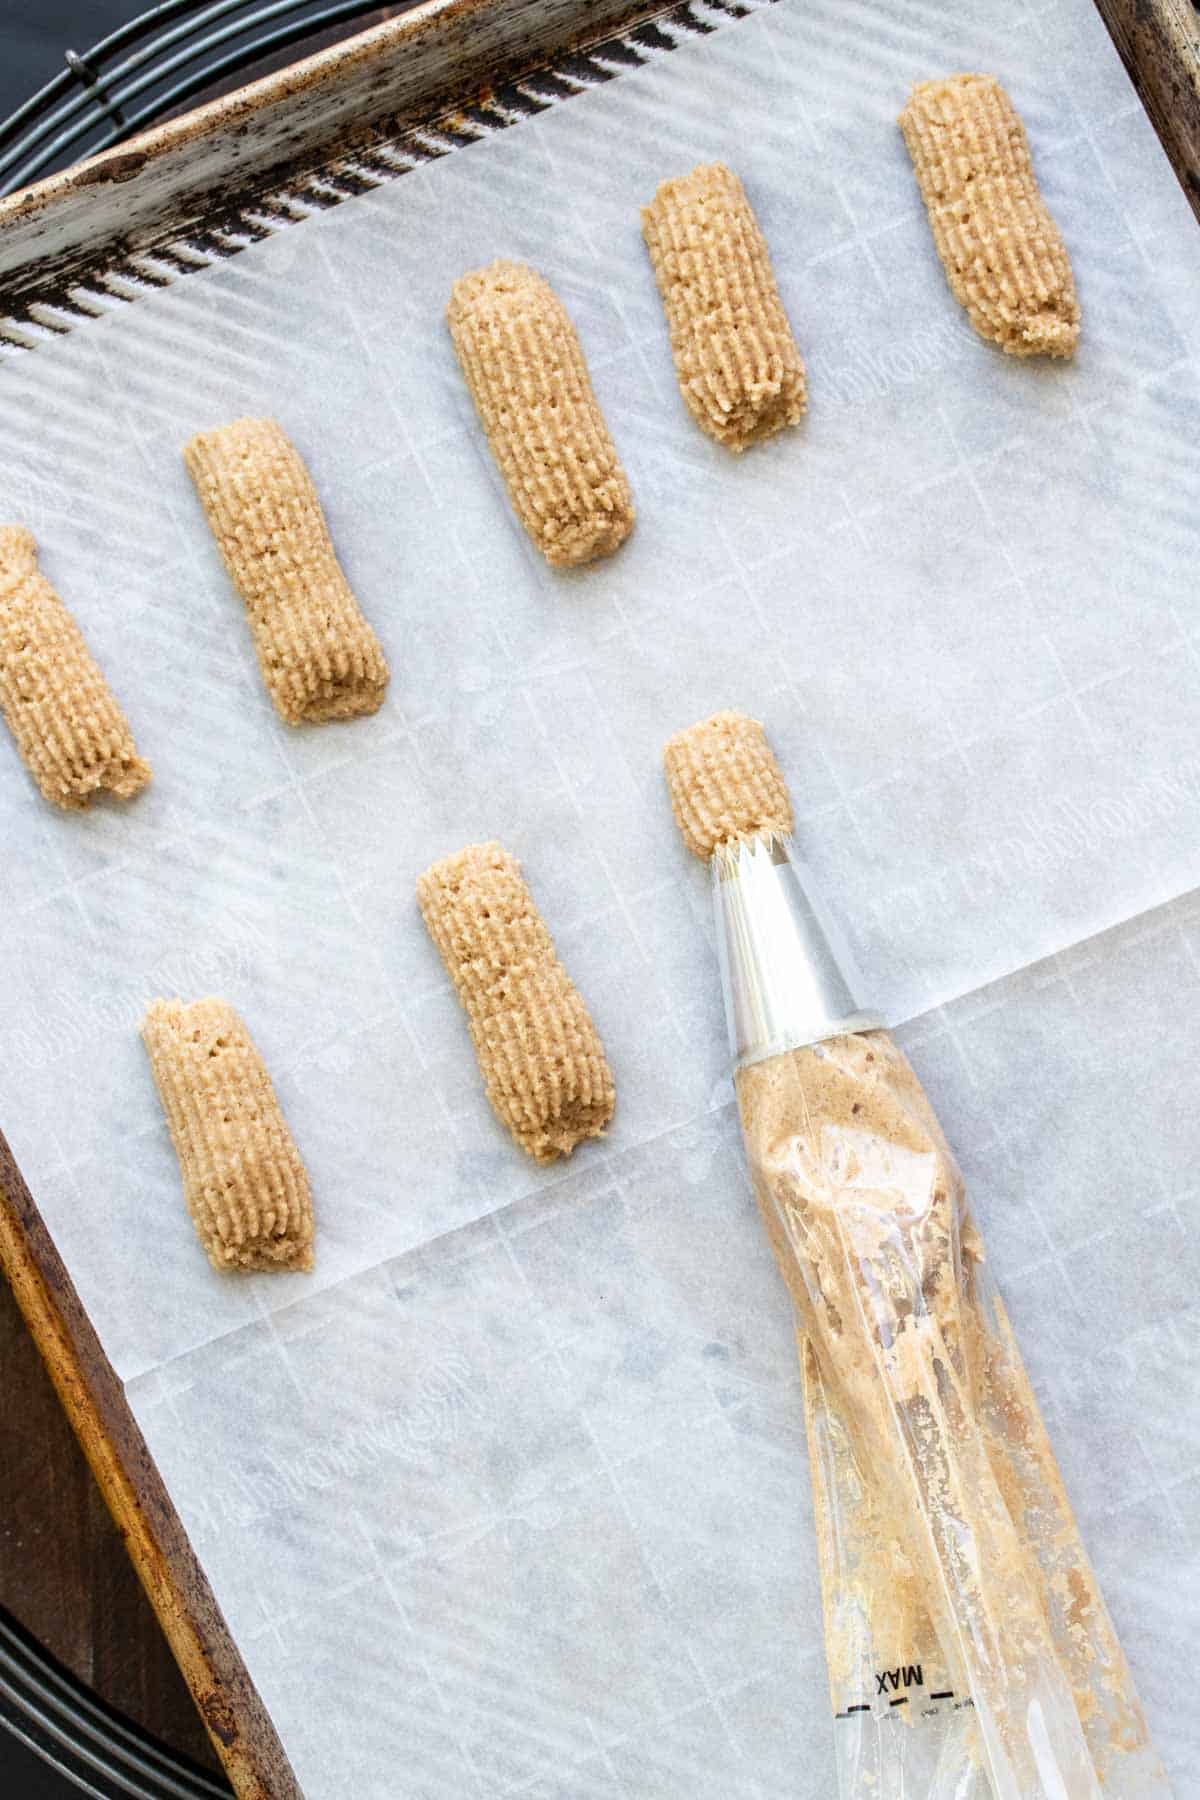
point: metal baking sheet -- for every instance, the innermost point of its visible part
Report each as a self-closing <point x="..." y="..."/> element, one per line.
<point x="958" y="596"/>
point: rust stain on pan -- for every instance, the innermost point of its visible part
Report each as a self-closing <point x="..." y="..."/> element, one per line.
<point x="220" y="1719"/>
<point x="118" y="165"/>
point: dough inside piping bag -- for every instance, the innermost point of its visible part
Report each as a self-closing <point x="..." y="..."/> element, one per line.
<point x="965" y="1630"/>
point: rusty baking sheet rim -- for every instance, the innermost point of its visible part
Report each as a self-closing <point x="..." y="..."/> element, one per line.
<point x="40" y="300"/>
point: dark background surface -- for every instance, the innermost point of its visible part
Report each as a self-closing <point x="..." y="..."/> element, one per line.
<point x="35" y="33"/>
<point x="64" y="1573"/>
<point x="24" y="1776"/>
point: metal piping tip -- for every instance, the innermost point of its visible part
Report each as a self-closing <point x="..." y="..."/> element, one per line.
<point x="786" y="977"/>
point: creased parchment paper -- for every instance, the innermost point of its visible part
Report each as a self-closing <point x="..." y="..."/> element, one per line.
<point x="510" y="1495"/>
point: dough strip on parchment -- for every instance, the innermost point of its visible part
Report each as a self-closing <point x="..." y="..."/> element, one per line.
<point x="739" y="369"/>
<point x="319" y="657"/>
<point x="245" y="1185"/>
<point x="725" y="784"/>
<point x="1003" y="254"/>
<point x="524" y="366"/>
<point x="69" y="728"/>
<point x="540" y="1055"/>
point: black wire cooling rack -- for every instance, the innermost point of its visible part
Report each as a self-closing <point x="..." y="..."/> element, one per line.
<point x="154" y="65"/>
<point x="91" y="1746"/>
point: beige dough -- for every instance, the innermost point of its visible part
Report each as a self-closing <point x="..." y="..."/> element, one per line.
<point x="725" y="783"/>
<point x="539" y="1053"/>
<point x="525" y="368"/>
<point x="245" y="1185"/>
<point x="319" y="657"/>
<point x="1003" y="254"/>
<point x="73" y="737"/>
<point x="910" y="1350"/>
<point x="739" y="370"/>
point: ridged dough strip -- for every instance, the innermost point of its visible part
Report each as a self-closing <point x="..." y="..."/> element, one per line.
<point x="319" y="658"/>
<point x="525" y="368"/>
<point x="71" y="733"/>
<point x="725" y="783"/>
<point x="244" y="1183"/>
<point x="539" y="1053"/>
<point x="739" y="370"/>
<point x="1003" y="254"/>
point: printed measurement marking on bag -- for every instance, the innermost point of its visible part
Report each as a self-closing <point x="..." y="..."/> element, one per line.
<point x="928" y="1711"/>
<point x="907" y="1675"/>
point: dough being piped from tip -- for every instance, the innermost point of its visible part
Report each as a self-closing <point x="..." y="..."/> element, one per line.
<point x="725" y="783"/>
<point x="909" y="1367"/>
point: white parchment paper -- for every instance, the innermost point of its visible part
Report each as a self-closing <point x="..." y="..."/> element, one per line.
<point x="528" y="1510"/>
<point x="518" y="1472"/>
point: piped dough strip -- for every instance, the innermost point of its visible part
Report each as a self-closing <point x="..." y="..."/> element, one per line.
<point x="739" y="369"/>
<point x="245" y="1185"/>
<point x="525" y="369"/>
<point x="725" y="783"/>
<point x="1003" y="254"/>
<point x="71" y="733"/>
<point x="319" y="657"/>
<point x="540" y="1055"/>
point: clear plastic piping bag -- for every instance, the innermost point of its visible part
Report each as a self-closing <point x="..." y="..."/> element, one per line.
<point x="969" y="1650"/>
